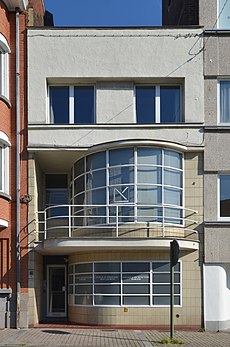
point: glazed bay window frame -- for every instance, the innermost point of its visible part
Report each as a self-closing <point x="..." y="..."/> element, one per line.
<point x="124" y="283"/>
<point x="223" y="101"/>
<point x="157" y="103"/>
<point x="135" y="186"/>
<point x="70" y="116"/>
<point x="222" y="189"/>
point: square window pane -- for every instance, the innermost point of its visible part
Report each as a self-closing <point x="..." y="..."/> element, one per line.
<point x="95" y="161"/>
<point x="148" y="175"/>
<point x="145" y="104"/>
<point x="95" y="179"/>
<point x="135" y="277"/>
<point x="135" y="267"/>
<point x="82" y="268"/>
<point x="121" y="156"/>
<point x="136" y="289"/>
<point x="173" y="178"/>
<point x="121" y="175"/>
<point x="164" y="267"/>
<point x="165" y="289"/>
<point x="84" y="105"/>
<point x="161" y="267"/>
<point x="107" y="300"/>
<point x="149" y="195"/>
<point x="136" y="300"/>
<point x="225" y="101"/>
<point x="59" y="105"/>
<point x="107" y="278"/>
<point x="148" y="214"/>
<point x="173" y="159"/>
<point x="107" y="267"/>
<point x="146" y="155"/>
<point x="161" y="300"/>
<point x="80" y="289"/>
<point x="225" y="196"/>
<point x="161" y="278"/>
<point x="84" y="278"/>
<point x="170" y="104"/>
<point x="173" y="196"/>
<point x="110" y="289"/>
<point x="83" y="300"/>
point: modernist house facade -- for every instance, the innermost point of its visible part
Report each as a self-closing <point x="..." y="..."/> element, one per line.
<point x="214" y="16"/>
<point x="115" y="142"/>
<point x="14" y="19"/>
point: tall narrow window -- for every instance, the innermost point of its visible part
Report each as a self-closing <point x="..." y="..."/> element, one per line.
<point x="4" y="70"/>
<point x="56" y="195"/>
<point x="71" y="104"/>
<point x="4" y="163"/>
<point x="158" y="104"/>
<point x="224" y="196"/>
<point x="224" y="101"/>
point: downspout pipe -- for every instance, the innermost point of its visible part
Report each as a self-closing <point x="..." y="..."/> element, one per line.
<point x="18" y="170"/>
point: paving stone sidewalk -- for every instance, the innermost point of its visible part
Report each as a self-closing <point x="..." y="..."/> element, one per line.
<point x="107" y="338"/>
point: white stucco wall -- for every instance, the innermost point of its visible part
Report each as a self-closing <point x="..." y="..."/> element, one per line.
<point x="115" y="60"/>
<point x="217" y="296"/>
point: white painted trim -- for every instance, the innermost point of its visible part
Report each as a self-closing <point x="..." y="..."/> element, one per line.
<point x="4" y="223"/>
<point x="13" y="4"/>
<point x="4" y="44"/>
<point x="4" y="139"/>
<point x="71" y="104"/>
<point x="157" y="104"/>
<point x="68" y="246"/>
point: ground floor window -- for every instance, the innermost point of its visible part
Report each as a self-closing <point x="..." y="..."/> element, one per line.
<point x="123" y="284"/>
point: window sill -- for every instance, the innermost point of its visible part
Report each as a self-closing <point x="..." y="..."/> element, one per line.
<point x="218" y="222"/>
<point x="5" y="100"/>
<point x="5" y="196"/>
<point x="118" y="125"/>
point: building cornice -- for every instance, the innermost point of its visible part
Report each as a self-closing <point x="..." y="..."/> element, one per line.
<point x="13" y="4"/>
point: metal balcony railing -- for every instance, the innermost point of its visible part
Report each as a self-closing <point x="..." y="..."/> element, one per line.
<point x="116" y="220"/>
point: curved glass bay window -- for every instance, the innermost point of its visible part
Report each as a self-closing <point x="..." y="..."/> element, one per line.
<point x="123" y="284"/>
<point x="141" y="184"/>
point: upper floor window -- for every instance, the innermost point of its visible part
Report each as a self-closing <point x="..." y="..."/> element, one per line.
<point x="223" y="14"/>
<point x="4" y="163"/>
<point x="4" y="70"/>
<point x="158" y="104"/>
<point x="224" y="193"/>
<point x="71" y="104"/>
<point x="224" y="90"/>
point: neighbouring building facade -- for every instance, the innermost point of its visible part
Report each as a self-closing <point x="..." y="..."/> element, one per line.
<point x="214" y="16"/>
<point x="115" y="143"/>
<point x="13" y="160"/>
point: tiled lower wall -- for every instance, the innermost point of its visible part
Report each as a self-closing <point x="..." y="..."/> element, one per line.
<point x="189" y="314"/>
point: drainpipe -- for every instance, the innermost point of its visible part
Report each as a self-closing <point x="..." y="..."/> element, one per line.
<point x="18" y="119"/>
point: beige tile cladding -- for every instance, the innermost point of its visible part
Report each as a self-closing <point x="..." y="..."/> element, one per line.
<point x="193" y="184"/>
<point x="188" y="314"/>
